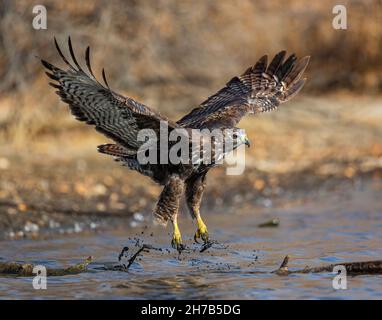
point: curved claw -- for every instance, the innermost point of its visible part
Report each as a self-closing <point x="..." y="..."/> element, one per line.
<point x="201" y="233"/>
<point x="176" y="243"/>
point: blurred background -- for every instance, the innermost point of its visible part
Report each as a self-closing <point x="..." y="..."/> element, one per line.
<point x="171" y="55"/>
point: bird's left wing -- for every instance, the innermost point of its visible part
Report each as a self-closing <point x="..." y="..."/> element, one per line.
<point x="260" y="88"/>
<point x="118" y="117"/>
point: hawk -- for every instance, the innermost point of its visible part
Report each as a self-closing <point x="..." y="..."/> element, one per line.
<point x="262" y="87"/>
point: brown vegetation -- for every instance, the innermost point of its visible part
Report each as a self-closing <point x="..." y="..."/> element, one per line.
<point x="171" y="55"/>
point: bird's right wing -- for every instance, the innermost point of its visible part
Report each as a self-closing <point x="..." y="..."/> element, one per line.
<point x="119" y="118"/>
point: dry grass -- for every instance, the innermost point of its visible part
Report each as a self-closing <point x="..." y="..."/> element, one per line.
<point x="171" y="55"/>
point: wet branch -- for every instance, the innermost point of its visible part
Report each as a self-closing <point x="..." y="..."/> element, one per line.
<point x="143" y="248"/>
<point x="26" y="270"/>
<point x="352" y="268"/>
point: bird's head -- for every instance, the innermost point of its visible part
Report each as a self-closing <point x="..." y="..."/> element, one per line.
<point x="240" y="137"/>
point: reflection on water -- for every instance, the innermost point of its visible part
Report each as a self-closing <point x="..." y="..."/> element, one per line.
<point x="319" y="232"/>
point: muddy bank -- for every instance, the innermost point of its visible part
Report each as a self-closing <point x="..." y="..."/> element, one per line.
<point x="83" y="196"/>
<point x="59" y="184"/>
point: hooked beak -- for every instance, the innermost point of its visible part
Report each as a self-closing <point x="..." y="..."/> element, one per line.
<point x="247" y="142"/>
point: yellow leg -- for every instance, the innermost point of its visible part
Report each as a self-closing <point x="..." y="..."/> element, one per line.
<point x="202" y="231"/>
<point x="176" y="237"/>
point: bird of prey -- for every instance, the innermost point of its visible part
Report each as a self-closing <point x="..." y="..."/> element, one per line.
<point x="262" y="87"/>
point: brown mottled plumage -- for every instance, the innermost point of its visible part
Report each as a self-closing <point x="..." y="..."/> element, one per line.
<point x="260" y="88"/>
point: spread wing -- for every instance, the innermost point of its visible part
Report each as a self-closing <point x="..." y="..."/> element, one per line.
<point x="119" y="118"/>
<point x="260" y="88"/>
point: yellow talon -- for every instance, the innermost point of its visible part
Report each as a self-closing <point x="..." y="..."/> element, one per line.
<point x="202" y="231"/>
<point x="177" y="238"/>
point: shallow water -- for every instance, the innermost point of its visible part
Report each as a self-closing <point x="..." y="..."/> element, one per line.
<point x="327" y="229"/>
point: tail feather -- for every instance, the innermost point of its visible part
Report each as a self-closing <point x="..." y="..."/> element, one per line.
<point x="115" y="150"/>
<point x="128" y="158"/>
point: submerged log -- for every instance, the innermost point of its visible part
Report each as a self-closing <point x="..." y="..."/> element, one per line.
<point x="352" y="268"/>
<point x="26" y="270"/>
<point x="270" y="223"/>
